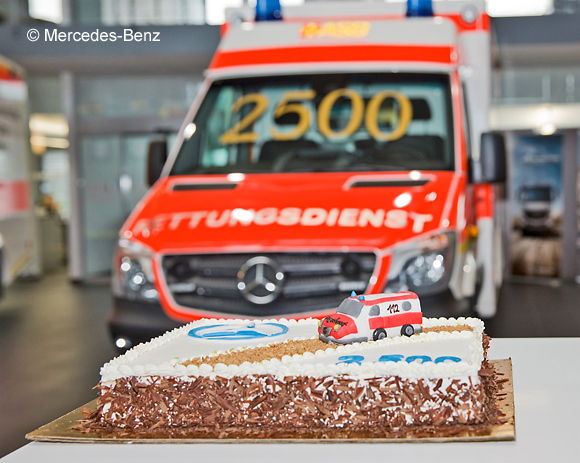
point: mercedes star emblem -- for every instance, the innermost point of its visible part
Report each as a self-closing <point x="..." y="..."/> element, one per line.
<point x="259" y="280"/>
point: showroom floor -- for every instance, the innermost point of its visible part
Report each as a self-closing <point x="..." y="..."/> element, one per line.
<point x="53" y="340"/>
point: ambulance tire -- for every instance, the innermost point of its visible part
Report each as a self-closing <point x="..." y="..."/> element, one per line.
<point x="379" y="333"/>
<point x="407" y="330"/>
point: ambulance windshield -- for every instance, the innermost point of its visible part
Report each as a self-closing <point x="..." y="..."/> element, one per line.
<point x="321" y="123"/>
<point x="350" y="307"/>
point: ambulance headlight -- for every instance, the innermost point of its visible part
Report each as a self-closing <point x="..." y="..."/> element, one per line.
<point x="426" y="270"/>
<point x="133" y="272"/>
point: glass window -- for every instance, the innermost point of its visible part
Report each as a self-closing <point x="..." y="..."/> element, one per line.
<point x="148" y="12"/>
<point x="540" y="85"/>
<point x="164" y="97"/>
<point x="113" y="176"/>
<point x="350" y="307"/>
<point x="55" y="175"/>
<point x="47" y="10"/>
<point x="322" y="123"/>
<point x="374" y="311"/>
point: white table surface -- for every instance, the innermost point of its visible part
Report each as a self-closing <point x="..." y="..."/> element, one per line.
<point x="546" y="375"/>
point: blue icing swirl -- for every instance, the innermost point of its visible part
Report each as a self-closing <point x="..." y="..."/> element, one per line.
<point x="447" y="357"/>
<point x="391" y="358"/>
<point x="237" y="332"/>
<point x="422" y="358"/>
<point x="347" y="359"/>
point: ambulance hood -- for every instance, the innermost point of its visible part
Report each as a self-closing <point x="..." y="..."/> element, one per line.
<point x="319" y="211"/>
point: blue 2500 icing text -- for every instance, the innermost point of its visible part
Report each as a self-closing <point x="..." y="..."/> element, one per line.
<point x="358" y="359"/>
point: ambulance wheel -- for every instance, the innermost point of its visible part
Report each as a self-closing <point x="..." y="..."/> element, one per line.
<point x="379" y="334"/>
<point x="407" y="330"/>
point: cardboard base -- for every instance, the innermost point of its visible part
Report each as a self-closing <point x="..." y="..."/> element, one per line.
<point x="61" y="430"/>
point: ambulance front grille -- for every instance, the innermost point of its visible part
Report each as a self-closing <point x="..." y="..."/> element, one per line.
<point x="268" y="284"/>
<point x="541" y="214"/>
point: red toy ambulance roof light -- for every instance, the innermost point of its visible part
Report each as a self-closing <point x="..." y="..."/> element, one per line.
<point x="419" y="8"/>
<point x="268" y="10"/>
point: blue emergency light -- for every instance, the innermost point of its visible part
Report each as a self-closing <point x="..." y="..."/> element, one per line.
<point x="268" y="10"/>
<point x="419" y="8"/>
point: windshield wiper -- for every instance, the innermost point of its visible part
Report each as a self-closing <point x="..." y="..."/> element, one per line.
<point x="368" y="166"/>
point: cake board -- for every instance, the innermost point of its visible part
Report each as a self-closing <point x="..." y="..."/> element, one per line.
<point x="60" y="430"/>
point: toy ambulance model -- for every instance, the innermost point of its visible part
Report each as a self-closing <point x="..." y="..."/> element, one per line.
<point x="373" y="317"/>
<point x="327" y="152"/>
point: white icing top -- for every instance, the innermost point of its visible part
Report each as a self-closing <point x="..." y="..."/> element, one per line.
<point x="455" y="354"/>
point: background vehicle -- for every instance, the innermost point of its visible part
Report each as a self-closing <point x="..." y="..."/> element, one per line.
<point x="1" y="265"/>
<point x="16" y="220"/>
<point x="536" y="201"/>
<point x="322" y="157"/>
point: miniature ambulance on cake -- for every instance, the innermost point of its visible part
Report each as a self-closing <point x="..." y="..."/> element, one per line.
<point x="339" y="147"/>
<point x="373" y="317"/>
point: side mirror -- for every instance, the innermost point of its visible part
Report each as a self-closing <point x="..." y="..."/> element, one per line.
<point x="491" y="167"/>
<point x="156" y="158"/>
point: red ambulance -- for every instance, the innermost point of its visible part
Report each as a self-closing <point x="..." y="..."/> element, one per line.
<point x="373" y="317"/>
<point x="342" y="148"/>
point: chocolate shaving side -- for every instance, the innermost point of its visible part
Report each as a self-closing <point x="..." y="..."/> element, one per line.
<point x="293" y="412"/>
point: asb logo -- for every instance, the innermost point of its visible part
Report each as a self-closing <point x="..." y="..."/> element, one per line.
<point x="335" y="30"/>
<point x="239" y="332"/>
